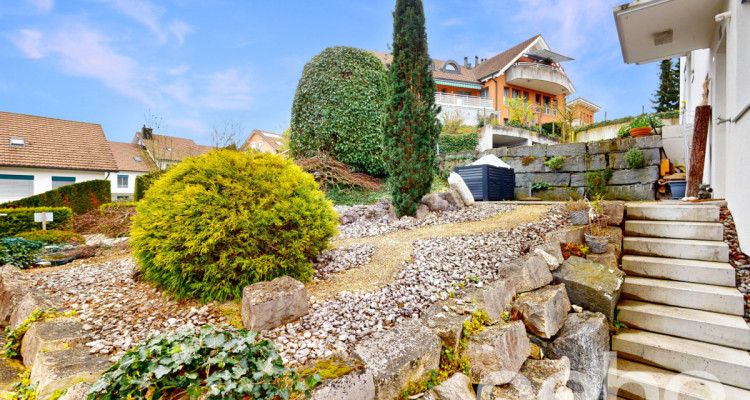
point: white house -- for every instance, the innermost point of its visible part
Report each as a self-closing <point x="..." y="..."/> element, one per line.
<point x="38" y="154"/>
<point x="131" y="161"/>
<point x="712" y="37"/>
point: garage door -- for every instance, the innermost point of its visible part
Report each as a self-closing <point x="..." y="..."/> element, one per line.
<point x="13" y="187"/>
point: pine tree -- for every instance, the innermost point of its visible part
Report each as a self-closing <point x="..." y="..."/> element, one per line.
<point x="667" y="97"/>
<point x="411" y="127"/>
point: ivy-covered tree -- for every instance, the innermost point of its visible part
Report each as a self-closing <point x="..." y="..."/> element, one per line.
<point x="667" y="96"/>
<point x="411" y="127"/>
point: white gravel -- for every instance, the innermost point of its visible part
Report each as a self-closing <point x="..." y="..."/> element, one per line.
<point x="342" y="259"/>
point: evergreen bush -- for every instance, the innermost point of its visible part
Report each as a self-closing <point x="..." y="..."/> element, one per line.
<point x="143" y="182"/>
<point x="53" y="236"/>
<point x="217" y="223"/>
<point x="17" y="220"/>
<point x="338" y="109"/>
<point x="79" y="197"/>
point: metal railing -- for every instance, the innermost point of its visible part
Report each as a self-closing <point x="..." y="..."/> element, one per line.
<point x="462" y="100"/>
<point x="536" y="65"/>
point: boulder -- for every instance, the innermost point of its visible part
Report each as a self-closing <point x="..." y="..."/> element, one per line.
<point x="608" y="258"/>
<point x="354" y="385"/>
<point x="457" y="387"/>
<point x="266" y="305"/>
<point x="633" y="192"/>
<point x="422" y="211"/>
<point x="615" y="238"/>
<point x="584" y="339"/>
<point x="447" y="325"/>
<point x="573" y="234"/>
<point x="406" y="353"/>
<point x="348" y="215"/>
<point x="543" y="311"/>
<point x="453" y="198"/>
<point x="378" y="210"/>
<point x="435" y="202"/>
<point x="537" y="380"/>
<point x="531" y="273"/>
<point x="552" y="254"/>
<point x="591" y="285"/>
<point x="76" y="392"/>
<point x="61" y="369"/>
<point x="457" y="183"/>
<point x="31" y="301"/>
<point x="50" y="335"/>
<point x="614" y="210"/>
<point x="494" y="298"/>
<point x="635" y="176"/>
<point x="496" y="354"/>
<point x="9" y="370"/>
<point x="14" y="284"/>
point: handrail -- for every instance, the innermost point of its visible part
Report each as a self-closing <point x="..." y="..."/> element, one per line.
<point x="462" y="100"/>
<point x="536" y="65"/>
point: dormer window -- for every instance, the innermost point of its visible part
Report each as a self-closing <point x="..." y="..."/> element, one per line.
<point x="450" y="67"/>
<point x="17" y="142"/>
<point x="169" y="149"/>
<point x="137" y="158"/>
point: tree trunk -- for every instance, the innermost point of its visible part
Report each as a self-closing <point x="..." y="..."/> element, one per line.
<point x="698" y="152"/>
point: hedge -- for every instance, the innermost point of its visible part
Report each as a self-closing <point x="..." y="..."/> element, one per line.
<point x="18" y="220"/>
<point x="79" y="197"/>
<point x="143" y="182"/>
<point x="451" y="143"/>
<point x="623" y="120"/>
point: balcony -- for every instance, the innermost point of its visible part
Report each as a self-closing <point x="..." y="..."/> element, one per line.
<point x="539" y="77"/>
<point x="458" y="100"/>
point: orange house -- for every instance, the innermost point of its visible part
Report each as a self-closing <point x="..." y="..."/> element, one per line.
<point x="267" y="142"/>
<point x="583" y="111"/>
<point x="529" y="70"/>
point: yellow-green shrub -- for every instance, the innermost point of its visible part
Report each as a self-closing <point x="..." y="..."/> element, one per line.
<point x="53" y="236"/>
<point x="214" y="224"/>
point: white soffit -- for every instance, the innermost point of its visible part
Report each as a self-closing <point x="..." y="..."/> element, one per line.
<point x="680" y="26"/>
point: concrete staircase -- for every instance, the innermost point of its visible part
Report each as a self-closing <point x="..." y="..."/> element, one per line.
<point x="686" y="336"/>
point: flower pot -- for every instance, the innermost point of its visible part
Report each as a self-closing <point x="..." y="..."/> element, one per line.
<point x="642" y="131"/>
<point x="579" y="217"/>
<point x="597" y="244"/>
<point x="678" y="189"/>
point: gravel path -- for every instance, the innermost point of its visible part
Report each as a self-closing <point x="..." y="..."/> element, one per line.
<point x="739" y="260"/>
<point x="342" y="259"/>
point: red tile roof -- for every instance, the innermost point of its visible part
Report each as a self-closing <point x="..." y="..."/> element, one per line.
<point x="170" y="148"/>
<point x="500" y="61"/>
<point x="54" y="143"/>
<point x="127" y="156"/>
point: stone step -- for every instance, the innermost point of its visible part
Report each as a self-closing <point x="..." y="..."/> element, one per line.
<point x="635" y="381"/>
<point x="704" y="326"/>
<point x="723" y="364"/>
<point x="675" y="229"/>
<point x="685" y="294"/>
<point x="673" y="212"/>
<point x="703" y="250"/>
<point x="676" y="269"/>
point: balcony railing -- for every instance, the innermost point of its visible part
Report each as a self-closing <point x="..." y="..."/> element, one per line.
<point x="462" y="100"/>
<point x="537" y="65"/>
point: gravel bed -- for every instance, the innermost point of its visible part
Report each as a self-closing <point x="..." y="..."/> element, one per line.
<point x="117" y="311"/>
<point x="342" y="259"/>
<point x="373" y="227"/>
<point x="739" y="260"/>
<point x="338" y="324"/>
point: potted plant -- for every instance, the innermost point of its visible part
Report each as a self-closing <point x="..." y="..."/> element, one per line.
<point x="578" y="211"/>
<point x="596" y="234"/>
<point x="643" y="125"/>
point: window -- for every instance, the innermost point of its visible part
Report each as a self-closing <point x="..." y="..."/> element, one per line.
<point x="169" y="149"/>
<point x="137" y="158"/>
<point x="122" y="181"/>
<point x="123" y="198"/>
<point x="516" y="93"/>
<point x="464" y="93"/>
<point x="505" y="95"/>
<point x="14" y="187"/>
<point x="252" y="145"/>
<point x="538" y="99"/>
<point x="525" y="97"/>
<point x="260" y="146"/>
<point x="442" y="90"/>
<point x="17" y="142"/>
<point x="484" y="93"/>
<point x="60" y="181"/>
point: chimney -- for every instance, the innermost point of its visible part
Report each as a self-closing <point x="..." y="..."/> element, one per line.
<point x="146" y="133"/>
<point x="476" y="60"/>
<point x="466" y="62"/>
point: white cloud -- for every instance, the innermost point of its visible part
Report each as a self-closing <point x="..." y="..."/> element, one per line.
<point x="141" y="11"/>
<point x="180" y="29"/>
<point x="29" y="42"/>
<point x="42" y="6"/>
<point x="190" y="125"/>
<point x="227" y="90"/>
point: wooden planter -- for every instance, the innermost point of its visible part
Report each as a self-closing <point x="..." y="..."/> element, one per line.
<point x="642" y="131"/>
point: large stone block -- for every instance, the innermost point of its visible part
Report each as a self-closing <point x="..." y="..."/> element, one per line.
<point x="572" y="234"/>
<point x="614" y="210"/>
<point x="50" y="335"/>
<point x="14" y="284"/>
<point x="590" y="285"/>
<point x="76" y="392"/>
<point x="551" y="178"/>
<point x="266" y="305"/>
<point x="578" y="179"/>
<point x="650" y="157"/>
<point x="354" y="385"/>
<point x="497" y="353"/>
<point x="9" y="370"/>
<point x="537" y="380"/>
<point x="398" y="356"/>
<point x="584" y="339"/>
<point x="582" y="163"/>
<point x="615" y="238"/>
<point x="447" y="325"/>
<point x="566" y="149"/>
<point x="494" y="298"/>
<point x="608" y="259"/>
<point x="529" y="274"/>
<point x="535" y="165"/>
<point x="631" y="176"/>
<point x="543" y="311"/>
<point x="648" y="142"/>
<point x="453" y="198"/>
<point x="537" y="150"/>
<point x="61" y="369"/>
<point x="556" y="194"/>
<point x="31" y="301"/>
<point x="624" y="144"/>
<point x="457" y="387"/>
<point x="497" y="152"/>
<point x="632" y="192"/>
<point x="552" y="254"/>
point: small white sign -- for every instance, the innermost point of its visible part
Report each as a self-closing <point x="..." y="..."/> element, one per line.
<point x="46" y="217"/>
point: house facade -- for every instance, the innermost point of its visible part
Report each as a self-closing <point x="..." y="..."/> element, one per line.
<point x="712" y="38"/>
<point x="166" y="151"/>
<point x="529" y="71"/>
<point x="38" y="154"/>
<point x="267" y="142"/>
<point x="131" y="162"/>
<point x="583" y="111"/>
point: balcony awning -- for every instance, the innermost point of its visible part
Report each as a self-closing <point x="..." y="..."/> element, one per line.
<point x="543" y="53"/>
<point x="465" y="85"/>
<point x="654" y="30"/>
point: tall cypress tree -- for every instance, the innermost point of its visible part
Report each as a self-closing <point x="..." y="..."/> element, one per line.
<point x="411" y="127"/>
<point x="667" y="96"/>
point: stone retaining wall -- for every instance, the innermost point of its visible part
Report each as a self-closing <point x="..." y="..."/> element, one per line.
<point x="579" y="158"/>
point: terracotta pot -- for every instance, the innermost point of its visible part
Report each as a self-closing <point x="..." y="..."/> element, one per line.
<point x="642" y="131"/>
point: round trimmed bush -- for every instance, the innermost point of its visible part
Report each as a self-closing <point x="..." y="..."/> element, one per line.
<point x="214" y="224"/>
<point x="338" y="109"/>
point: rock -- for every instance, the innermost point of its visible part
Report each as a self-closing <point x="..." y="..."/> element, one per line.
<point x="564" y="393"/>
<point x="633" y="192"/>
<point x="31" y="301"/>
<point x="615" y="238"/>
<point x="453" y="198"/>
<point x="608" y="258"/>
<point x="76" y="392"/>
<point x="494" y="298"/>
<point x="650" y="157"/>
<point x="544" y="311"/>
<point x="435" y="202"/>
<point x="537" y="150"/>
<point x="9" y="370"/>
<point x="348" y="216"/>
<point x="590" y="285"/>
<point x="584" y="339"/>
<point x="58" y="370"/>
<point x="614" y="210"/>
<point x="354" y="385"/>
<point x="50" y="335"/>
<point x="422" y="212"/>
<point x="550" y="178"/>
<point x="572" y="234"/>
<point x="566" y="149"/>
<point x="447" y="325"/>
<point x="632" y="176"/>
<point x="14" y="284"/>
<point x="531" y="274"/>
<point x="457" y="387"/>
<point x="535" y="165"/>
<point x="398" y="356"/>
<point x="517" y="389"/>
<point x="624" y="144"/>
<point x="552" y="254"/>
<point x="457" y="183"/>
<point x="537" y="380"/>
<point x="497" y="353"/>
<point x="266" y="305"/>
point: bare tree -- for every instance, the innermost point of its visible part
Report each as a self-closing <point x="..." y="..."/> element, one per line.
<point x="227" y="135"/>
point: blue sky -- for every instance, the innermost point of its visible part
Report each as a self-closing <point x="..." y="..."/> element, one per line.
<point x="202" y="63"/>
